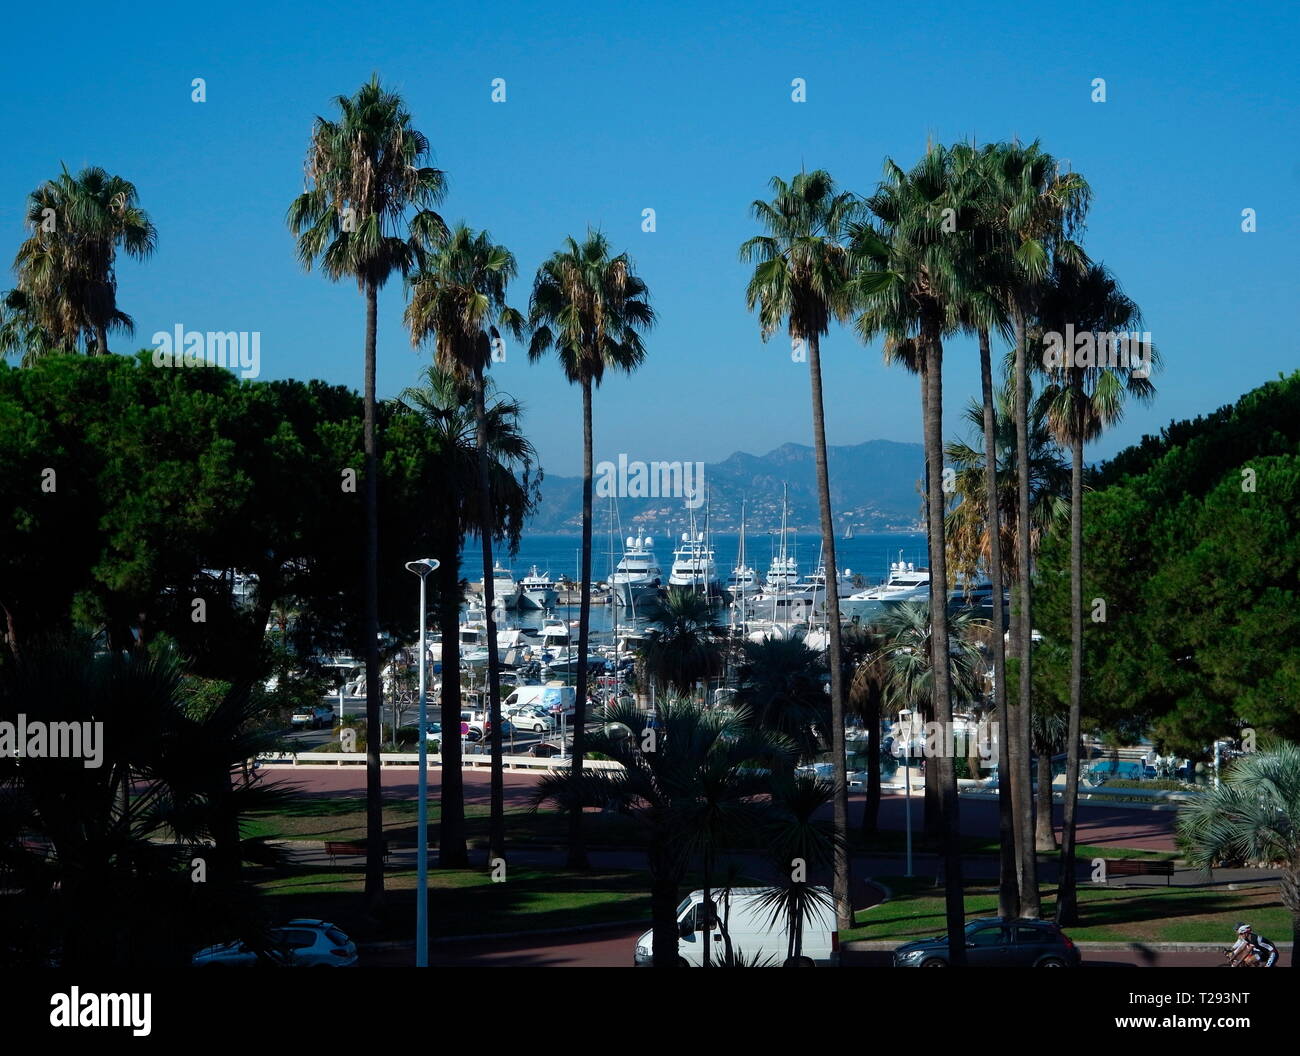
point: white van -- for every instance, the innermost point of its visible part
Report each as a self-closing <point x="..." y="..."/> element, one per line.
<point x="546" y="697"/>
<point x="753" y="932"/>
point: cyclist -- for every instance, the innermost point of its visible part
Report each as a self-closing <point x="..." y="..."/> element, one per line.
<point x="1251" y="947"/>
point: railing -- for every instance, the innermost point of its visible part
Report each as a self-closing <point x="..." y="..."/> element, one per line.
<point x="510" y="762"/>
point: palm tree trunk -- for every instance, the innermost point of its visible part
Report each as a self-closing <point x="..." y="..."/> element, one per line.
<point x="374" y="894"/>
<point x="1067" y="905"/>
<point x="1020" y="789"/>
<point x="452" y="853"/>
<point x="577" y="840"/>
<point x="705" y="959"/>
<point x="101" y="340"/>
<point x="497" y="794"/>
<point x="871" y="810"/>
<point x="1044" y="833"/>
<point x="841" y="882"/>
<point x="663" y="901"/>
<point x="941" y="702"/>
<point x="1008" y="888"/>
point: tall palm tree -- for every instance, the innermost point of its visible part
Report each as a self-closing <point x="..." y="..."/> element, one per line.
<point x="679" y="765"/>
<point x="982" y="313"/>
<point x="459" y="297"/>
<point x="67" y="266"/>
<point x="592" y="309"/>
<point x="448" y="405"/>
<point x="1033" y="209"/>
<point x="1085" y="401"/>
<point x="682" y="645"/>
<point x="1252" y="816"/>
<point x="366" y="215"/>
<point x="915" y="267"/>
<point x="800" y="281"/>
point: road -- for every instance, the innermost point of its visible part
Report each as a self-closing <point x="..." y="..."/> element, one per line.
<point x="1098" y="825"/>
<point x="612" y="948"/>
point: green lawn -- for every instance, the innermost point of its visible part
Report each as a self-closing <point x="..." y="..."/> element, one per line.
<point x="1136" y="914"/>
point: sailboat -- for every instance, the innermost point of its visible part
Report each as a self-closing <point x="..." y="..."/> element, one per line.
<point x="848" y="532"/>
<point x="743" y="581"/>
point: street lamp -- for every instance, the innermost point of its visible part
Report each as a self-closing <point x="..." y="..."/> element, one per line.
<point x="422" y="568"/>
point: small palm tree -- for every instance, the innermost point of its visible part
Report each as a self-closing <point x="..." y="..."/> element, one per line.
<point x="447" y="404"/>
<point x="366" y="215"/>
<point x="682" y="645"/>
<point x="799" y="844"/>
<point x="459" y="297"/>
<point x="683" y="780"/>
<point x="1252" y="816"/>
<point x="801" y="283"/>
<point x="591" y="308"/>
<point x="906" y="653"/>
<point x="66" y="266"/>
<point x="781" y="682"/>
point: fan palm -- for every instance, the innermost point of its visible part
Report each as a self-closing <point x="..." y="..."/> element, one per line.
<point x="116" y="890"/>
<point x="1084" y="402"/>
<point x="67" y="266"/>
<point x="21" y="331"/>
<point x="366" y="215"/>
<point x="1252" y="816"/>
<point x="781" y="682"/>
<point x="683" y="780"/>
<point x="801" y="281"/>
<point x="458" y="296"/>
<point x="799" y="843"/>
<point x="905" y="632"/>
<point x="682" y="643"/>
<point x="591" y="308"/>
<point x="448" y="405"/>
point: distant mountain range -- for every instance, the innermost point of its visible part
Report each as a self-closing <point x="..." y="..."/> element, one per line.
<point x="875" y="487"/>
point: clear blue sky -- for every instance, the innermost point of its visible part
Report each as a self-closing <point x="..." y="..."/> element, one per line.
<point x="684" y="108"/>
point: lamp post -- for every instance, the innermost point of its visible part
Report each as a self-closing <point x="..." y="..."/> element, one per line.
<point x="422" y="568"/>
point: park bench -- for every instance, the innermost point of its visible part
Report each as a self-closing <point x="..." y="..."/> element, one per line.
<point x="334" y="848"/>
<point x="1140" y="867"/>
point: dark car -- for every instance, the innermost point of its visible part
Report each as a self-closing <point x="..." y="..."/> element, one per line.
<point x="997" y="943"/>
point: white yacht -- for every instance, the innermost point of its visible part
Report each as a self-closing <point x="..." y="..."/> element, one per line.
<point x="505" y="588"/>
<point x="694" y="567"/>
<point x="844" y="589"/>
<point x="637" y="574"/>
<point x="538" y="591"/>
<point x="783" y="572"/>
<point x="906" y="582"/>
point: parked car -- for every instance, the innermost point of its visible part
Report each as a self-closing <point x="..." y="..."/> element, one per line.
<point x="315" y="718"/>
<point x="303" y="943"/>
<point x="997" y="943"/>
<point x="528" y="717"/>
<point x="746" y="915"/>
